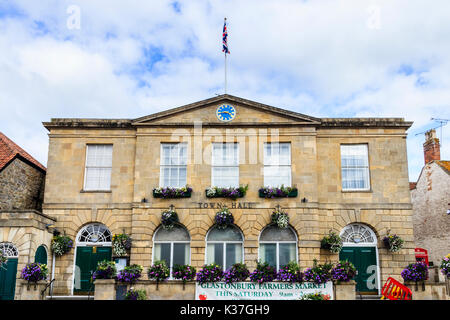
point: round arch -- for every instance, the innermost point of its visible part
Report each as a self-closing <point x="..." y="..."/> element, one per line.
<point x="94" y="234"/>
<point x="224" y="247"/>
<point x="360" y="247"/>
<point x="278" y="246"/>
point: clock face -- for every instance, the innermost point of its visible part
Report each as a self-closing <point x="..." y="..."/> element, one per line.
<point x="225" y="112"/>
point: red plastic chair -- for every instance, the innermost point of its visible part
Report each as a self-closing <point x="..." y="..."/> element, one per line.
<point x="394" y="290"/>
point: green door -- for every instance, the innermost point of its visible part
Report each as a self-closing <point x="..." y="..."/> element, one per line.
<point x="41" y="255"/>
<point x="8" y="274"/>
<point x="86" y="263"/>
<point x="365" y="261"/>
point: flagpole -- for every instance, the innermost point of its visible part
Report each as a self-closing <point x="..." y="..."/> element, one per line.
<point x="224" y="21"/>
<point x="225" y="73"/>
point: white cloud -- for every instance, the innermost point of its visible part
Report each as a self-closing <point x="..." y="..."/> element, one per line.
<point x="323" y="58"/>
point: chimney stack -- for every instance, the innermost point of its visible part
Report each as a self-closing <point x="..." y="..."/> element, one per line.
<point x="431" y="147"/>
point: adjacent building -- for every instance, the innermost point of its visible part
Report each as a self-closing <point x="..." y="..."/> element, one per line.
<point x="431" y="202"/>
<point x="351" y="176"/>
<point x="24" y="234"/>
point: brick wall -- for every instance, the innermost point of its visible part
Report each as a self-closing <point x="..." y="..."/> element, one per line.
<point x="21" y="186"/>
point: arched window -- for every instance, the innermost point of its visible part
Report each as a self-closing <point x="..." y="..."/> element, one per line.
<point x="277" y="246"/>
<point x="9" y="250"/>
<point x="224" y="246"/>
<point x="94" y="234"/>
<point x="172" y="246"/>
<point x="358" y="234"/>
<point x="41" y="255"/>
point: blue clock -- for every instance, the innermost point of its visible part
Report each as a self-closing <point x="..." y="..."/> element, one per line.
<point x="225" y="112"/>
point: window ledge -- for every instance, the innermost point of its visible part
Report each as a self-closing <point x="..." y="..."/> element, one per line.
<point x="357" y="191"/>
<point x="95" y="191"/>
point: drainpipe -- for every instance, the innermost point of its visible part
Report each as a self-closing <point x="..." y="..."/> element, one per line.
<point x="53" y="274"/>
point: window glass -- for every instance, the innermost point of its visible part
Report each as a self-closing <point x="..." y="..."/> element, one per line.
<point x="173" y="165"/>
<point x="277" y="164"/>
<point x="224" y="246"/>
<point x="98" y="167"/>
<point x="225" y="165"/>
<point x="355" y="167"/>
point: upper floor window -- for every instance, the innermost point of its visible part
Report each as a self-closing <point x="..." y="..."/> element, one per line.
<point x="355" y="167"/>
<point x="173" y="165"/>
<point x="277" y="164"/>
<point x="98" y="167"/>
<point x="225" y="165"/>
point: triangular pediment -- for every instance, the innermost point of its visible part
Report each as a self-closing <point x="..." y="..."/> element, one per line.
<point x="247" y="113"/>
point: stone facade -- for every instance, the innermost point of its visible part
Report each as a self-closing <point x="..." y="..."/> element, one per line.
<point x="430" y="200"/>
<point x="321" y="204"/>
<point x="22" y="186"/>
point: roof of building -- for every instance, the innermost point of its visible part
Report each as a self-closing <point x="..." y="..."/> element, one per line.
<point x="444" y="164"/>
<point x="10" y="150"/>
<point x="298" y="118"/>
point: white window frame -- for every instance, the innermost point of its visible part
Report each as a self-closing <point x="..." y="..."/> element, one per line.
<point x="171" y="249"/>
<point x="214" y="165"/>
<point x="224" y="242"/>
<point x="86" y="167"/>
<point x="356" y="167"/>
<point x="278" y="246"/>
<point x="268" y="165"/>
<point x="178" y="166"/>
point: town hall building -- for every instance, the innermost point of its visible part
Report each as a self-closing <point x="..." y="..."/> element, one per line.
<point x="350" y="176"/>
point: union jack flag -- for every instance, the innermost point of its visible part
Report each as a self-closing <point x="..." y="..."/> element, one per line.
<point x="224" y="38"/>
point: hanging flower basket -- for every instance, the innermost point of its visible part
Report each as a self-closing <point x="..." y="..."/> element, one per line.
<point x="278" y="192"/>
<point x="61" y="245"/>
<point x="280" y="218"/>
<point x="223" y="218"/>
<point x="332" y="242"/>
<point x="232" y="193"/>
<point x="121" y="245"/>
<point x="172" y="193"/>
<point x="393" y="242"/>
<point x="169" y="218"/>
<point x="445" y="266"/>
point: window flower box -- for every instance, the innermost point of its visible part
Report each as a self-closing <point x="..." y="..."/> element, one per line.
<point x="275" y="192"/>
<point x="172" y="193"/>
<point x="232" y="192"/>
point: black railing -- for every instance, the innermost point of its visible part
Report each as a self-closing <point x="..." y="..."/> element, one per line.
<point x="45" y="289"/>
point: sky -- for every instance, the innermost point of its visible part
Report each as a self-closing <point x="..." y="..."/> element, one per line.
<point x="127" y="59"/>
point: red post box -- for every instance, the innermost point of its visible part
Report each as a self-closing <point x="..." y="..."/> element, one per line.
<point x="421" y="255"/>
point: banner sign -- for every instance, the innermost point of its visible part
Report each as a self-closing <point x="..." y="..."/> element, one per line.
<point x="260" y="291"/>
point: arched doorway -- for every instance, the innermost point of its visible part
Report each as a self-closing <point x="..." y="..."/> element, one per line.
<point x="93" y="244"/>
<point x="360" y="248"/>
<point x="8" y="271"/>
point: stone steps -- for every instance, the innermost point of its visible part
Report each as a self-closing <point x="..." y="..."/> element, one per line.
<point x="69" y="297"/>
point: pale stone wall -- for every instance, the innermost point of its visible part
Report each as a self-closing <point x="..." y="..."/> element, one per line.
<point x="315" y="171"/>
<point x="430" y="201"/>
<point x="26" y="231"/>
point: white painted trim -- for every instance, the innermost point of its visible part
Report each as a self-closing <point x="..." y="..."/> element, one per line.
<point x="224" y="248"/>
